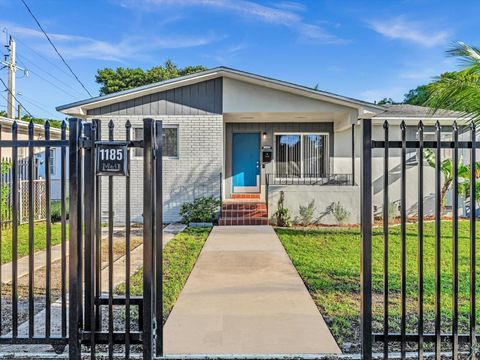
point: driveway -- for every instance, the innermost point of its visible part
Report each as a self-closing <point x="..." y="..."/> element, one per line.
<point x="245" y="297"/>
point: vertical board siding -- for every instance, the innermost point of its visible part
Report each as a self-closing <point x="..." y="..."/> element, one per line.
<point x="203" y="98"/>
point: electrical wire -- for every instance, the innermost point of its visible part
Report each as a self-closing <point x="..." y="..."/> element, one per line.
<point x="55" y="48"/>
<point x="31" y="63"/>
<point x="6" y="88"/>
<point x="44" y="58"/>
<point x="38" y="106"/>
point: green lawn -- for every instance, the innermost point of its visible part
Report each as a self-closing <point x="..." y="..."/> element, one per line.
<point x="179" y="257"/>
<point x="40" y="241"/>
<point x="329" y="263"/>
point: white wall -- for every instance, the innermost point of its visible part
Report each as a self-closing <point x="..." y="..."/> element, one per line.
<point x="243" y="97"/>
<point x="342" y="164"/>
<point x="324" y="196"/>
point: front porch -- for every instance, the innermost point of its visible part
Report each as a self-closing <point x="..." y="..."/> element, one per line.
<point x="308" y="155"/>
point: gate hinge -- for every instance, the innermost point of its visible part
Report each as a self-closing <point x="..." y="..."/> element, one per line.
<point x="85" y="143"/>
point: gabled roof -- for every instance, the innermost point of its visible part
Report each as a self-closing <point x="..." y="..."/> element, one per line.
<point x="211" y="74"/>
<point x="406" y="111"/>
<point x="23" y="126"/>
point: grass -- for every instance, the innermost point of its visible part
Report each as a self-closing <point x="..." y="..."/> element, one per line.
<point x="179" y="257"/>
<point x="40" y="242"/>
<point x="329" y="263"/>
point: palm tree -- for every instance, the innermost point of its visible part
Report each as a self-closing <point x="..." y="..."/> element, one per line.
<point x="446" y="167"/>
<point x="459" y="91"/>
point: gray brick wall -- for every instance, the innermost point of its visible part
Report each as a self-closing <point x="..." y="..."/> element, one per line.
<point x="193" y="174"/>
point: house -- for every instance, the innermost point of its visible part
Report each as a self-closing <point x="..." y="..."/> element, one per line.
<point x="39" y="169"/>
<point x="39" y="153"/>
<point x="248" y="138"/>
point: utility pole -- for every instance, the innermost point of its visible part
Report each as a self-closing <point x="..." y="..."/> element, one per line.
<point x="12" y="69"/>
<point x="11" y="65"/>
<point x="19" y="112"/>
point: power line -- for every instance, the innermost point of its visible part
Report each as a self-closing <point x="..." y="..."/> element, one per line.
<point x="44" y="58"/>
<point x="31" y="63"/>
<point x="39" y="106"/>
<point x="55" y="48"/>
<point x="6" y="87"/>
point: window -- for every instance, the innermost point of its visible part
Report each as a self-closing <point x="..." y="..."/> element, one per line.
<point x="301" y="155"/>
<point x="169" y="141"/>
<point x="52" y="161"/>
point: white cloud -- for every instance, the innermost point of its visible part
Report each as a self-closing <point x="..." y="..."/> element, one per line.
<point x="372" y="95"/>
<point x="74" y="46"/>
<point x="399" y="28"/>
<point x="285" y="14"/>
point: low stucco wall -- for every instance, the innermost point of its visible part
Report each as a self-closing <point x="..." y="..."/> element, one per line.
<point x="324" y="196"/>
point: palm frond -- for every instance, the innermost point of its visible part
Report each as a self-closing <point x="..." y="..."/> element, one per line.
<point x="468" y="55"/>
<point x="457" y="91"/>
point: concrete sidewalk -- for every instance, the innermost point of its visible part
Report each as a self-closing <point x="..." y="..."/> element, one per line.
<point x="245" y="297"/>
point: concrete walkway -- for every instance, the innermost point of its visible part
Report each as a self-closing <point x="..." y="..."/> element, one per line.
<point x="119" y="276"/>
<point x="245" y="297"/>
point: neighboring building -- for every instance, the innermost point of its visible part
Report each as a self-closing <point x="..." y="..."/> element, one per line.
<point x="39" y="152"/>
<point x="244" y="131"/>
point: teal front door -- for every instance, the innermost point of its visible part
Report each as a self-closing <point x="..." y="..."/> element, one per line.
<point x="246" y="162"/>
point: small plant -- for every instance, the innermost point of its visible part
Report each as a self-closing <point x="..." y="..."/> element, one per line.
<point x="339" y="212"/>
<point x="282" y="215"/>
<point x="202" y="209"/>
<point x="306" y="213"/>
<point x="5" y="190"/>
<point x="391" y="211"/>
<point x="56" y="211"/>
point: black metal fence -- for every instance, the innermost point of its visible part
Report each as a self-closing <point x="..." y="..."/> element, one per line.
<point x="434" y="324"/>
<point x="21" y="297"/>
<point x="37" y="305"/>
<point x="311" y="179"/>
<point x="106" y="319"/>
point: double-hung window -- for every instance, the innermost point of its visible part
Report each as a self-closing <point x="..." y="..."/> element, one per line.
<point x="52" y="161"/>
<point x="169" y="141"/>
<point x="301" y="155"/>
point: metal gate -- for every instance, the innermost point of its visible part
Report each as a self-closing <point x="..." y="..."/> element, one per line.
<point x="43" y="306"/>
<point x="96" y="316"/>
<point x="453" y="322"/>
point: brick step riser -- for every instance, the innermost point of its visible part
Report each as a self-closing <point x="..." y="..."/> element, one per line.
<point x="244" y="207"/>
<point x="246" y="196"/>
<point x="244" y="213"/>
<point x="245" y="221"/>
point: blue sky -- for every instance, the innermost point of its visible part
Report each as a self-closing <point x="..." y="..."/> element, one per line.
<point x="363" y="49"/>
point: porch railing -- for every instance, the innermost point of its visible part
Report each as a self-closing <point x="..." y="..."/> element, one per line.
<point x="310" y="179"/>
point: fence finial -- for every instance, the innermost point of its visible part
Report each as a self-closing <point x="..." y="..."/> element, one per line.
<point x="385" y="124"/>
<point x="128" y="124"/>
<point x="47" y="124"/>
<point x="64" y="124"/>
<point x="403" y="126"/>
<point x="455" y="126"/>
<point x="111" y="125"/>
<point x="438" y="126"/>
<point x="420" y="125"/>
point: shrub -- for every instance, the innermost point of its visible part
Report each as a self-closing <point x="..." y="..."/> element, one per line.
<point x="282" y="215"/>
<point x="5" y="190"/>
<point x="202" y="209"/>
<point x="306" y="213"/>
<point x="56" y="210"/>
<point x="339" y="212"/>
